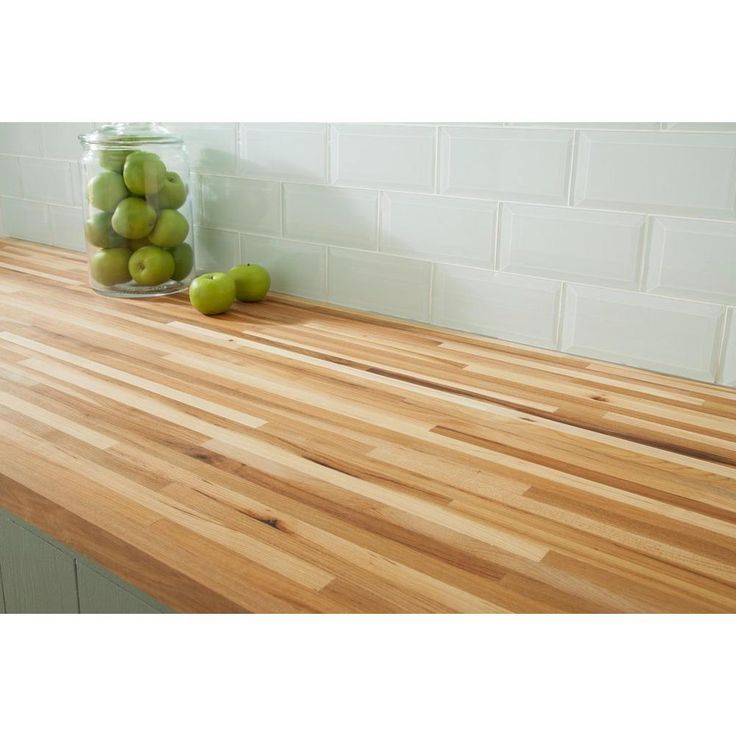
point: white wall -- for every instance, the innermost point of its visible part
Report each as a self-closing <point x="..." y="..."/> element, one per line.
<point x="608" y="240"/>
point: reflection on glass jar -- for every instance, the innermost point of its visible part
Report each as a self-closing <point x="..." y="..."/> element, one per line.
<point x="138" y="213"/>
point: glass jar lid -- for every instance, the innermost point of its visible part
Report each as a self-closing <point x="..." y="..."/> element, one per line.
<point x="128" y="135"/>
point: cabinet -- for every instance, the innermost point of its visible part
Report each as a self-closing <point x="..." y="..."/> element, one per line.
<point x="2" y="593"/>
<point x="37" y="576"/>
<point x="40" y="575"/>
<point x="99" y="594"/>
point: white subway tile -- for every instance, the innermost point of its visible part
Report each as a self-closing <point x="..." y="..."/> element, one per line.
<point x="643" y="330"/>
<point x="728" y="369"/>
<point x="379" y="283"/>
<point x="466" y="124"/>
<point x="49" y="181"/>
<point x="517" y="308"/>
<point x="725" y="127"/>
<point x="296" y="268"/>
<point x="447" y="229"/>
<point x="195" y="195"/>
<point x="593" y="126"/>
<point x="566" y="243"/>
<point x="26" y="220"/>
<point x="67" y="227"/>
<point x="211" y="147"/>
<point x="333" y="215"/>
<point x="383" y="156"/>
<point x="695" y="259"/>
<point x="61" y="140"/>
<point x="241" y="204"/>
<point x="668" y="173"/>
<point x="10" y="176"/>
<point x="526" y="165"/>
<point x="21" y="139"/>
<point x="290" y="151"/>
<point x="77" y="178"/>
<point x="215" y="250"/>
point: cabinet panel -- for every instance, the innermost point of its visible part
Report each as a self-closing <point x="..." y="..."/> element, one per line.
<point x="2" y="593"/>
<point x="98" y="594"/>
<point x="37" y="576"/>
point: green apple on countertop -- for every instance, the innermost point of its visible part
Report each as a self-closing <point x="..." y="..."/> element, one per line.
<point x="151" y="266"/>
<point x="110" y="266"/>
<point x="212" y="293"/>
<point x="252" y="282"/>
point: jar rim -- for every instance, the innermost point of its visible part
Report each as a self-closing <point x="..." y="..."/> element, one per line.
<point x="128" y="135"/>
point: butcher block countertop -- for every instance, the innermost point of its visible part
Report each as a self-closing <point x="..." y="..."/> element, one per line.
<point x="290" y="457"/>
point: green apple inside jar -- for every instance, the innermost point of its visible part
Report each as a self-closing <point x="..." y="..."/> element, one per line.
<point x="137" y="209"/>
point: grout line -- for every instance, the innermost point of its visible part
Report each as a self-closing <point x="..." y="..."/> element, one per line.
<point x="41" y="201"/>
<point x="573" y="163"/>
<point x="437" y="159"/>
<point x="430" y="292"/>
<point x="326" y="284"/>
<point x="644" y="254"/>
<point x="560" y="315"/>
<point x="328" y="153"/>
<point x="496" y="244"/>
<point x="720" y="354"/>
<point x="328" y="290"/>
<point x="282" y="209"/>
<point x="379" y="220"/>
<point x="239" y="153"/>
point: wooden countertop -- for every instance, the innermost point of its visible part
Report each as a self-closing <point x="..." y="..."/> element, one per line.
<point x="293" y="457"/>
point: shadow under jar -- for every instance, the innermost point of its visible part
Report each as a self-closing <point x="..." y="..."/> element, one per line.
<point x="137" y="208"/>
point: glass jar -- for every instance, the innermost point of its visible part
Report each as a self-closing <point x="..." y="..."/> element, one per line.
<point x="137" y="208"/>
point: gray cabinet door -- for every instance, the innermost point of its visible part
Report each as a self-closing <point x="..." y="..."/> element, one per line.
<point x="37" y="576"/>
<point x="99" y="594"/>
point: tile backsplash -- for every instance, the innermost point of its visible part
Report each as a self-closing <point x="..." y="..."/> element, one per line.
<point x="608" y="240"/>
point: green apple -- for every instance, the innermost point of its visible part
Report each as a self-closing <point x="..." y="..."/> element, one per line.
<point x="144" y="173"/>
<point x="110" y="266"/>
<point x="171" y="229"/>
<point x="113" y="159"/>
<point x="98" y="231"/>
<point x="212" y="293"/>
<point x="252" y="282"/>
<point x="183" y="260"/>
<point x="137" y="244"/>
<point x="150" y="266"/>
<point x="133" y="218"/>
<point x="106" y="190"/>
<point x="173" y="193"/>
